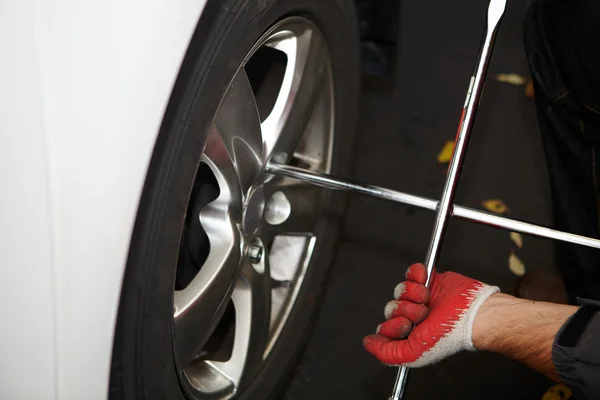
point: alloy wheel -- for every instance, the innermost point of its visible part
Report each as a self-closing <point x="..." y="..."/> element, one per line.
<point x="248" y="238"/>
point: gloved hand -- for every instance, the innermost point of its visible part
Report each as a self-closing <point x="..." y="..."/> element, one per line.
<point x="443" y="317"/>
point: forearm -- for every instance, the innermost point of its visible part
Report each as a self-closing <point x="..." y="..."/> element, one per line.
<point x="520" y="329"/>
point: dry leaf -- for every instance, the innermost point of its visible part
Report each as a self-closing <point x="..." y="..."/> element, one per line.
<point x="517" y="239"/>
<point x="557" y="392"/>
<point x="511" y="79"/>
<point x="496" y="206"/>
<point x="446" y="154"/>
<point x="515" y="265"/>
<point x="529" y="92"/>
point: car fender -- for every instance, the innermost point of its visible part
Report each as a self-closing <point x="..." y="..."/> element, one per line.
<point x="84" y="88"/>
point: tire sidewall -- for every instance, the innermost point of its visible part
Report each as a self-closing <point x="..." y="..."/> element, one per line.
<point x="143" y="364"/>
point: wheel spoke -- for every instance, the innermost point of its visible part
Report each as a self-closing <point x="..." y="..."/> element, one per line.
<point x="304" y="77"/>
<point x="200" y="305"/>
<point x="252" y="301"/>
<point x="292" y="208"/>
<point x="238" y="124"/>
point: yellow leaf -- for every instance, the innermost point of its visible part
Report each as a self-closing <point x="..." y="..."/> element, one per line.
<point x="517" y="239"/>
<point x="496" y="206"/>
<point x="446" y="154"/>
<point x="557" y="392"/>
<point x="529" y="92"/>
<point x="515" y="265"/>
<point x="511" y="79"/>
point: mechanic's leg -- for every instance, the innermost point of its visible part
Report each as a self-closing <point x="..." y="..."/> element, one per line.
<point x="562" y="42"/>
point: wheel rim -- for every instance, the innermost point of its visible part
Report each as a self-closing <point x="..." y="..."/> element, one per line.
<point x="249" y="237"/>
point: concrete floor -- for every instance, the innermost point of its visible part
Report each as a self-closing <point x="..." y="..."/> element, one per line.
<point x="404" y="125"/>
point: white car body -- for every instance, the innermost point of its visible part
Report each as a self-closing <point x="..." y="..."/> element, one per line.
<point x="83" y="88"/>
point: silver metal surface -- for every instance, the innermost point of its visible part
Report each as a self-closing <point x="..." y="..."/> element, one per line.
<point x="494" y="15"/>
<point x="469" y="214"/>
<point x="278" y="209"/>
<point x="255" y="253"/>
<point x="460" y="212"/>
<point x="253" y="211"/>
<point x="335" y="183"/>
<point x="261" y="229"/>
<point x="495" y="12"/>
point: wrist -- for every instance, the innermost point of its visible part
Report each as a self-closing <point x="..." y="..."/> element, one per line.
<point x="503" y="318"/>
<point x="523" y="330"/>
<point x="489" y="320"/>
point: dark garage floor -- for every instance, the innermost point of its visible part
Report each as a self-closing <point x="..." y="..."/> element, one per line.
<point x="402" y="130"/>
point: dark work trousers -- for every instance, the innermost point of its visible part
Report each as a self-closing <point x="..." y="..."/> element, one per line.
<point x="562" y="43"/>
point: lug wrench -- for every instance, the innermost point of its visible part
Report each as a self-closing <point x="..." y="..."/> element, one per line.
<point x="445" y="207"/>
<point x="495" y="12"/>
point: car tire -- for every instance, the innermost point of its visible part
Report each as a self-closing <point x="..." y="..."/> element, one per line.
<point x="143" y="364"/>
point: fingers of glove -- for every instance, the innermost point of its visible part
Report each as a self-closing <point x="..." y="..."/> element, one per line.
<point x="416" y="313"/>
<point x="395" y="328"/>
<point x="411" y="291"/>
<point x="417" y="273"/>
<point x="390" y="352"/>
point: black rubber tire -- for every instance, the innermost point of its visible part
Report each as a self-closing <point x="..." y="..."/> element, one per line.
<point x="142" y="363"/>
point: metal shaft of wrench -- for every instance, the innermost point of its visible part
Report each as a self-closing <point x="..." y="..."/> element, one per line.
<point x="494" y="15"/>
<point x="460" y="212"/>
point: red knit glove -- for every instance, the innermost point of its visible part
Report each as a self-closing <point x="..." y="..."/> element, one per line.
<point x="443" y="317"/>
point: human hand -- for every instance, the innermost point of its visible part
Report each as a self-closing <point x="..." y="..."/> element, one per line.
<point x="425" y="326"/>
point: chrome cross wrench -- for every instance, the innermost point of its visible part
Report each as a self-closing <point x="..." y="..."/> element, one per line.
<point x="444" y="209"/>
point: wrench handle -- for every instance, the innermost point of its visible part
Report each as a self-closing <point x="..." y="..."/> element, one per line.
<point x="494" y="16"/>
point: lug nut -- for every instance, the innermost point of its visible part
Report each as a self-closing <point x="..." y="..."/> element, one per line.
<point x="255" y="253"/>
